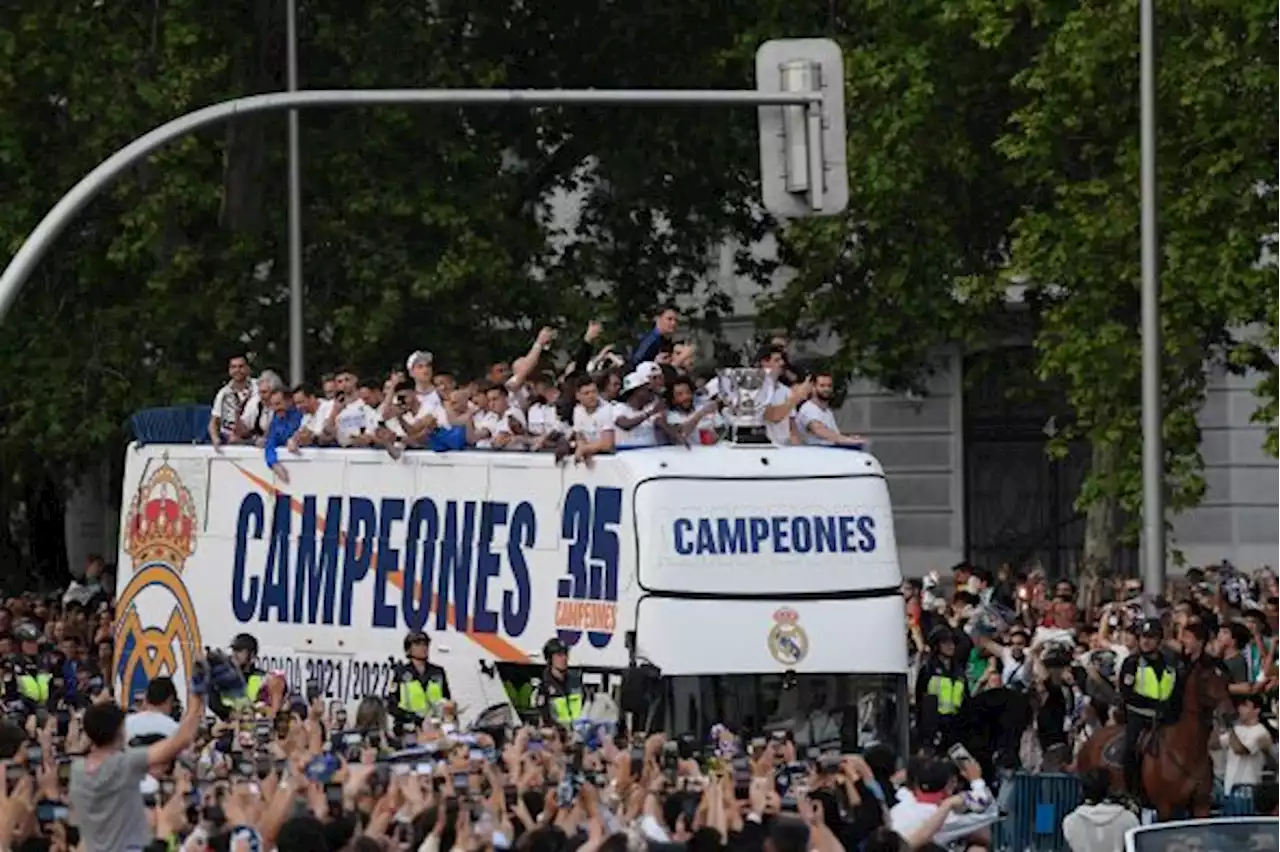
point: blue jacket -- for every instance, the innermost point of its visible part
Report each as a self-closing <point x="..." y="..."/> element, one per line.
<point x="282" y="428"/>
<point x="646" y="349"/>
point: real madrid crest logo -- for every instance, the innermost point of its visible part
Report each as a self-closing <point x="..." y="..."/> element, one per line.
<point x="788" y="643"/>
<point x="156" y="631"/>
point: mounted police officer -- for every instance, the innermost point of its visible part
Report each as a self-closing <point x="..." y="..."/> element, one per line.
<point x="244" y="655"/>
<point x="940" y="692"/>
<point x="1147" y="680"/>
<point x="419" y="686"/>
<point x="559" y="695"/>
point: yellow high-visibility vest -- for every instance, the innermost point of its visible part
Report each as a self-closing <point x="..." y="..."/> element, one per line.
<point x="566" y="709"/>
<point x="35" y="687"/>
<point x="1149" y="686"/>
<point x="416" y="698"/>
<point x="252" y="686"/>
<point x="949" y="692"/>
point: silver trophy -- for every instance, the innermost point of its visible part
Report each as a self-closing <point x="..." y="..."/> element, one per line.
<point x="741" y="391"/>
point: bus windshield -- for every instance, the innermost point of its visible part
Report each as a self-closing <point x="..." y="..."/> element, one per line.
<point x="825" y="711"/>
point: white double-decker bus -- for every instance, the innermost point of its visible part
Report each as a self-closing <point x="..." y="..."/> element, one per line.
<point x="762" y="583"/>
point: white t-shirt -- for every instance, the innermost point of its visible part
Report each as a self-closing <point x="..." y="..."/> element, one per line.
<point x="429" y="403"/>
<point x="643" y="435"/>
<point x="354" y="419"/>
<point x="408" y="419"/>
<point x="776" y="394"/>
<point x="496" y="425"/>
<point x="592" y="424"/>
<point x="148" y="723"/>
<point x="1246" y="768"/>
<point x="228" y="402"/>
<point x="543" y="419"/>
<point x="256" y="416"/>
<point x="711" y="422"/>
<point x="811" y="412"/>
<point x="314" y="423"/>
<point x="1011" y="669"/>
<point x="517" y="394"/>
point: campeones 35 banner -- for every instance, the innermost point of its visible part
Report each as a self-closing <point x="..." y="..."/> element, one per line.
<point x="491" y="556"/>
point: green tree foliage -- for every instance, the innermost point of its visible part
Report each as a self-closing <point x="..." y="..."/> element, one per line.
<point x="423" y="227"/>
<point x="987" y="137"/>
<point x="931" y="200"/>
<point x="1073" y="146"/>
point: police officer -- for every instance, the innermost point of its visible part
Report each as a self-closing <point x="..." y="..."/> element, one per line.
<point x="559" y="695"/>
<point x="1147" y="679"/>
<point x="940" y="692"/>
<point x="419" y="686"/>
<point x="244" y="654"/>
<point x="34" y="681"/>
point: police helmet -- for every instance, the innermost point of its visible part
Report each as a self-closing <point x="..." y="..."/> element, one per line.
<point x="413" y="637"/>
<point x="941" y="634"/>
<point x="1151" y="628"/>
<point x="27" y="632"/>
<point x="553" y="647"/>
<point x="245" y="642"/>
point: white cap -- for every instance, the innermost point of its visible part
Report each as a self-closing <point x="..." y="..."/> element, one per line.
<point x="647" y="370"/>
<point x="421" y="356"/>
<point x="632" y="381"/>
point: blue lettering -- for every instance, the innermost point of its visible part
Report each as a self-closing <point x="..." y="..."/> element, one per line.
<point x="419" y="553"/>
<point x="681" y="528"/>
<point x="732" y="535"/>
<point x="451" y="561"/>
<point x="759" y="532"/>
<point x="244" y="593"/>
<point x="523" y="533"/>
<point x="455" y="565"/>
<point x="488" y="565"/>
<point x="825" y="527"/>
<point x="358" y="552"/>
<point x="275" y="585"/>
<point x="706" y="538"/>
<point x="779" y="525"/>
<point x="388" y="562"/>
<point x="801" y="534"/>
<point x="867" y="526"/>
<point x="848" y="541"/>
<point x="317" y="577"/>
<point x="780" y="534"/>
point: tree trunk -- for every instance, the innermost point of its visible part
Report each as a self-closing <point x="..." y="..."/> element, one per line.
<point x="1099" y="530"/>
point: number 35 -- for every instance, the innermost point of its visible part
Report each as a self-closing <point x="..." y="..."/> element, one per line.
<point x="590" y="525"/>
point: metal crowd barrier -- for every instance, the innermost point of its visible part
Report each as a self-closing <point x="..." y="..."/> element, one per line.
<point x="1037" y="804"/>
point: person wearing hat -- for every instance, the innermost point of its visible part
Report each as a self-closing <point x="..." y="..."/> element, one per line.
<point x="244" y="654"/>
<point x="940" y="691"/>
<point x="640" y="413"/>
<point x="1147" y="679"/>
<point x="34" y="681"/>
<point x="559" y="695"/>
<point x="419" y="686"/>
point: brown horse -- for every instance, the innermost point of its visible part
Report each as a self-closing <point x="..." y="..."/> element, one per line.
<point x="1177" y="774"/>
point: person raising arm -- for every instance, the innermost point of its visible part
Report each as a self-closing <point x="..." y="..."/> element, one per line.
<point x="104" y="783"/>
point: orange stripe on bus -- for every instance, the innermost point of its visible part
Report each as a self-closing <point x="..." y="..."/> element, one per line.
<point x="494" y="644"/>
